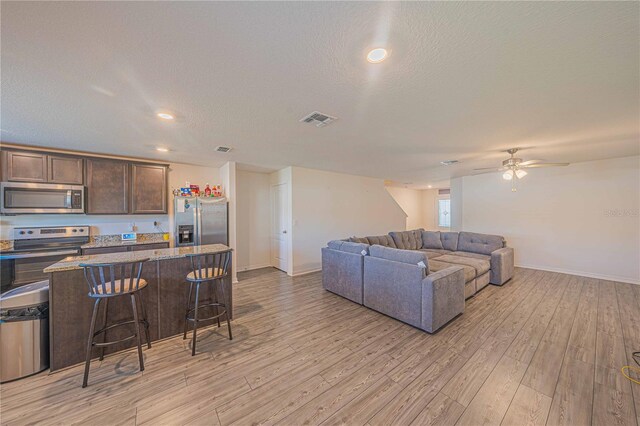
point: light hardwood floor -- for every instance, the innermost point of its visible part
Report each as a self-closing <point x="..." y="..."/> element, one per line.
<point x="545" y="348"/>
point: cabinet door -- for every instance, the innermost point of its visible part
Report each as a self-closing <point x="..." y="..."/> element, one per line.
<point x="66" y="170"/>
<point x="107" y="186"/>
<point x="103" y="250"/>
<point x="148" y="189"/>
<point x="21" y="166"/>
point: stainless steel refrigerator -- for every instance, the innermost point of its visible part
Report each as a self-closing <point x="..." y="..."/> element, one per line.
<point x="200" y="221"/>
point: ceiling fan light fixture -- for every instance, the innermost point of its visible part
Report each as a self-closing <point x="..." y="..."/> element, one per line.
<point x="508" y="175"/>
<point x="520" y="173"/>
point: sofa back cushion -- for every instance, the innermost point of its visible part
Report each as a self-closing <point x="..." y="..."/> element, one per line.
<point x="411" y="257"/>
<point x="348" y="247"/>
<point x="408" y="240"/>
<point x="361" y="240"/>
<point x="479" y="243"/>
<point x="449" y="240"/>
<point x="382" y="240"/>
<point x="431" y="240"/>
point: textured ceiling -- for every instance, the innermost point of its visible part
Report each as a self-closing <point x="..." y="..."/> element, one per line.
<point x="463" y="81"/>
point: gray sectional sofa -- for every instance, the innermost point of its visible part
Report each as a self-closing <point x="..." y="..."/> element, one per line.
<point x="419" y="277"/>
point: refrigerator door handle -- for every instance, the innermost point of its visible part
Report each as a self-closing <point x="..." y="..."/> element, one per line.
<point x="198" y="213"/>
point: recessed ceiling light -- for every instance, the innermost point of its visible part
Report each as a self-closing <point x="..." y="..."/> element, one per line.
<point x="165" y="116"/>
<point x="448" y="162"/>
<point x="377" y="55"/>
<point x="161" y="149"/>
<point x="429" y="186"/>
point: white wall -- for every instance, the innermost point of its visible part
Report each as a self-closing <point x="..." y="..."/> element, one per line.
<point x="327" y="206"/>
<point x="582" y="219"/>
<point x="116" y="224"/>
<point x="253" y="220"/>
<point x="228" y="178"/>
<point x="420" y="206"/>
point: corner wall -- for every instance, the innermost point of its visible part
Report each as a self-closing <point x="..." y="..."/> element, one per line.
<point x="419" y="205"/>
<point x="582" y="219"/>
<point x="328" y="206"/>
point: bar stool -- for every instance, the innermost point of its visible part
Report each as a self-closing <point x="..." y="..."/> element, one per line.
<point x="108" y="280"/>
<point x="207" y="268"/>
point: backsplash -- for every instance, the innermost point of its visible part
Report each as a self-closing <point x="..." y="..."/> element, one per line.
<point x="107" y="240"/>
<point x="100" y="225"/>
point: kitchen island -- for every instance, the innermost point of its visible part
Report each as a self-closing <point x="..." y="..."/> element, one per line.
<point x="165" y="298"/>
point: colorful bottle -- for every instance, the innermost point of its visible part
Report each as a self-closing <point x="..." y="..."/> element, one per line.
<point x="207" y="191"/>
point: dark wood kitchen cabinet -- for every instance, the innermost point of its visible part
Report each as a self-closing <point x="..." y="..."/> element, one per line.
<point x="148" y="189"/>
<point x="26" y="166"/>
<point x="18" y="166"/>
<point x="107" y="186"/>
<point x="67" y="170"/>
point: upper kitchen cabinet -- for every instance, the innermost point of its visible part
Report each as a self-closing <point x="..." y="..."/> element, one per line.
<point x="26" y="166"/>
<point x="19" y="166"/>
<point x="107" y="186"/>
<point x="148" y="189"/>
<point x="69" y="170"/>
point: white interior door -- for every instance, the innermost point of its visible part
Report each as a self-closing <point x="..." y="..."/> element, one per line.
<point x="279" y="226"/>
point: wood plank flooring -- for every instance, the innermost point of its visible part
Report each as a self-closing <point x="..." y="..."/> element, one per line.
<point x="546" y="348"/>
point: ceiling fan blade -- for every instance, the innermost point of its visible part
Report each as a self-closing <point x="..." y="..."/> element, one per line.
<point x="488" y="170"/>
<point x="493" y="169"/>
<point x="544" y="165"/>
<point x="526" y="163"/>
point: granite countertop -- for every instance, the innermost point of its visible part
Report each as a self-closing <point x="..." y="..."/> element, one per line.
<point x="73" y="262"/>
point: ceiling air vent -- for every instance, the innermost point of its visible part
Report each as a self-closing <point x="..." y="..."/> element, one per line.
<point x="223" y="149"/>
<point x="318" y="118"/>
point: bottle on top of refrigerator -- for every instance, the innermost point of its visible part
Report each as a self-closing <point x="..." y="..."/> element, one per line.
<point x="207" y="191"/>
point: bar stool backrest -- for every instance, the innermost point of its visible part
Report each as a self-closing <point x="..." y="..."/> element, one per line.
<point x="210" y="266"/>
<point x="111" y="279"/>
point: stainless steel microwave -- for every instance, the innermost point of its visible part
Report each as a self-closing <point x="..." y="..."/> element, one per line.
<point x="38" y="198"/>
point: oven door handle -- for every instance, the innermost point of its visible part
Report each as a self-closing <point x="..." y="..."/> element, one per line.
<point x="68" y="200"/>
<point x="36" y="254"/>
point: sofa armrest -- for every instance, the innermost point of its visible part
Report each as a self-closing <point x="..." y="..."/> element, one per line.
<point x="501" y="265"/>
<point x="442" y="297"/>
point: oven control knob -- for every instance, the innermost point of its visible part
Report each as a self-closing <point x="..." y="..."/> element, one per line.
<point x="75" y="230"/>
<point x="82" y="230"/>
<point x="21" y="232"/>
<point x="29" y="232"/>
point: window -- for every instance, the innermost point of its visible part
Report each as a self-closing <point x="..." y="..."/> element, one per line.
<point x="444" y="213"/>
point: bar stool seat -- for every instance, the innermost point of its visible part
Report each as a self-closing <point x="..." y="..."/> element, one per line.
<point x="205" y="274"/>
<point x="120" y="287"/>
<point x="110" y="280"/>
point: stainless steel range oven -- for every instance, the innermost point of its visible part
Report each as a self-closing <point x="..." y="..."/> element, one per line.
<point x="23" y="198"/>
<point x="36" y="248"/>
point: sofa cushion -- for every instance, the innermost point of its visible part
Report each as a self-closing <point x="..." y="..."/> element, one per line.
<point x="408" y="240"/>
<point x="382" y="240"/>
<point x="471" y="255"/>
<point x="356" y="248"/>
<point x="431" y="240"/>
<point x="469" y="273"/>
<point x="362" y="240"/>
<point x="412" y="257"/>
<point x="441" y="251"/>
<point x="430" y="253"/>
<point x="449" y="240"/>
<point x="479" y="243"/>
<point x="481" y="266"/>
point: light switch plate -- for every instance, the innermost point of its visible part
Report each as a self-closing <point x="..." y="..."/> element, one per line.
<point x="129" y="237"/>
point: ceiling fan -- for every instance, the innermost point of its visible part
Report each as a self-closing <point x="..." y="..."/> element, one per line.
<point x="514" y="167"/>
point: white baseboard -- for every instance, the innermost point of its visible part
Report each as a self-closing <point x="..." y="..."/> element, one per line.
<point x="252" y="267"/>
<point x="310" y="271"/>
<point x="582" y="274"/>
